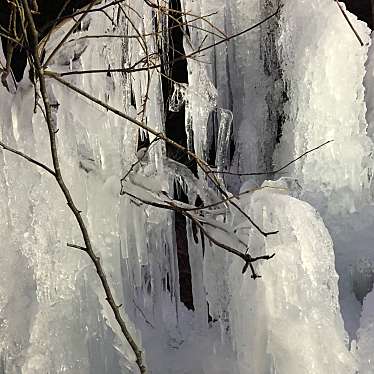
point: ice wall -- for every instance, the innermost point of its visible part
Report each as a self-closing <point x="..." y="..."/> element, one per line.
<point x="58" y="321"/>
<point x="365" y="335"/>
<point x="277" y="323"/>
<point x="244" y="72"/>
<point x="68" y="326"/>
<point x="323" y="70"/>
<point x="53" y="317"/>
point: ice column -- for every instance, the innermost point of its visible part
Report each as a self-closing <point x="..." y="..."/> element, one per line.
<point x="323" y="70"/>
<point x="288" y="322"/>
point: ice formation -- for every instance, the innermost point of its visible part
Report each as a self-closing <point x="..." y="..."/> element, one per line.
<point x="311" y="312"/>
<point x="279" y="327"/>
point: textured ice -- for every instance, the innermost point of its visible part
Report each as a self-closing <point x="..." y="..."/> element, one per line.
<point x="323" y="70"/>
<point x="305" y="67"/>
<point x="223" y="140"/>
<point x="365" y="335"/>
<point x="326" y="101"/>
<point x="277" y="326"/>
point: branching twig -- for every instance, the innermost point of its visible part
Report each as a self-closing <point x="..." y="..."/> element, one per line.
<point x="28" y="158"/>
<point x="84" y="249"/>
<point x="72" y="29"/>
<point x="247" y="258"/>
<point x="277" y="170"/>
<point x="201" y="163"/>
<point x="65" y="190"/>
<point x="133" y="69"/>
<point x="139" y="160"/>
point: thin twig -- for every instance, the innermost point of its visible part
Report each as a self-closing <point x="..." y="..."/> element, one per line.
<point x="66" y="36"/>
<point x="177" y="59"/>
<point x="247" y="258"/>
<point x="142" y="314"/>
<point x="139" y="160"/>
<point x="223" y="201"/>
<point x="277" y="170"/>
<point x="84" y="249"/>
<point x="28" y="158"/>
<point x="201" y="163"/>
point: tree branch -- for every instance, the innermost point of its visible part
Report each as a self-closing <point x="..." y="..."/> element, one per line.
<point x="277" y="170"/>
<point x="59" y="178"/>
<point x="180" y="58"/>
<point x="201" y="163"/>
<point x="28" y="158"/>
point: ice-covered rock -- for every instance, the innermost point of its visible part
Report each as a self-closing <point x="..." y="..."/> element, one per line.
<point x="328" y="88"/>
<point x="323" y="68"/>
<point x="288" y="321"/>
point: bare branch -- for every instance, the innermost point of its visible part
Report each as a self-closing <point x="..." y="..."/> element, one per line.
<point x="247" y="258"/>
<point x="349" y="23"/>
<point x="277" y="170"/>
<point x="139" y="160"/>
<point x="84" y="249"/>
<point x="28" y="158"/>
<point x="72" y="29"/>
<point x="201" y="163"/>
<point x="133" y="69"/>
<point x="65" y="190"/>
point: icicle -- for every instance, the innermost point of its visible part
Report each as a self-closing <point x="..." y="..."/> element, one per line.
<point x="223" y="141"/>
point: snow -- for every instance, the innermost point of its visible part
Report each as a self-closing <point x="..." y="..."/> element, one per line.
<point x="312" y="310"/>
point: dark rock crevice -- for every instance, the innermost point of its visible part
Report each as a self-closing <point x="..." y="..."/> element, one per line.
<point x="174" y="72"/>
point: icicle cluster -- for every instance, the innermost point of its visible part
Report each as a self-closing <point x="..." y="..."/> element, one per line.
<point x="295" y="81"/>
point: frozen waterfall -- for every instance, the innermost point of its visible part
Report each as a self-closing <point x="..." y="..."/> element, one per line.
<point x="252" y="103"/>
